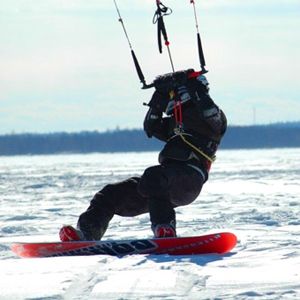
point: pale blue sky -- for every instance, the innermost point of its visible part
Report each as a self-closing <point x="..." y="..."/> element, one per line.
<point x="65" y="65"/>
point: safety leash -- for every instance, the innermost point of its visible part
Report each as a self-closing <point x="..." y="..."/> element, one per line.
<point x="196" y="149"/>
<point x="158" y="19"/>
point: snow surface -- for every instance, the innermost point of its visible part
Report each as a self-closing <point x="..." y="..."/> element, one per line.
<point x="254" y="194"/>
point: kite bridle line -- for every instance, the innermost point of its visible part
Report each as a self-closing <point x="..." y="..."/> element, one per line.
<point x="161" y="31"/>
<point x="160" y="12"/>
<point x="135" y="61"/>
<point x="200" y="49"/>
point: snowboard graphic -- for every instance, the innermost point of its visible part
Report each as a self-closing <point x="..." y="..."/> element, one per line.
<point x="219" y="243"/>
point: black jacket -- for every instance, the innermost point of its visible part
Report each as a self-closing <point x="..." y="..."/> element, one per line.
<point x="203" y="122"/>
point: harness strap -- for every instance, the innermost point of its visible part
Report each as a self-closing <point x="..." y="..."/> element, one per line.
<point x="196" y="149"/>
<point x="198" y="170"/>
<point x="179" y="130"/>
<point x="178" y="113"/>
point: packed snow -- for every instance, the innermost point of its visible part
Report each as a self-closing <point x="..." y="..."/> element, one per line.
<point x="252" y="193"/>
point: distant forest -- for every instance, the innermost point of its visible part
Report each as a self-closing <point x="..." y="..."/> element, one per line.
<point x="237" y="137"/>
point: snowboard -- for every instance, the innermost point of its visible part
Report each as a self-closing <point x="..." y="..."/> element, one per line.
<point x="219" y="243"/>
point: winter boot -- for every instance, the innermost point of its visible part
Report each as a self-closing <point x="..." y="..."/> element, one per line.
<point x="68" y="234"/>
<point x="163" y="231"/>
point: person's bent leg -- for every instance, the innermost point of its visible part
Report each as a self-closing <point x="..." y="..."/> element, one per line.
<point x="169" y="186"/>
<point x="120" y="198"/>
<point x="155" y="185"/>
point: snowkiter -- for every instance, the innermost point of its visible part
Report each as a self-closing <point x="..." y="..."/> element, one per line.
<point x="183" y="115"/>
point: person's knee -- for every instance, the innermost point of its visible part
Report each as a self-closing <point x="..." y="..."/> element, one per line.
<point x="154" y="182"/>
<point x="109" y="189"/>
<point x="115" y="191"/>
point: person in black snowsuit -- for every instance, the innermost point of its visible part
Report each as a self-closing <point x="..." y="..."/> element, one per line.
<point x="183" y="115"/>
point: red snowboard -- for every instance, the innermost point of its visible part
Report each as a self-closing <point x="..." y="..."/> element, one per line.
<point x="219" y="243"/>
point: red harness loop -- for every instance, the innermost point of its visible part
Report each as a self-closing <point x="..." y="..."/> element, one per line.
<point x="194" y="74"/>
<point x="178" y="113"/>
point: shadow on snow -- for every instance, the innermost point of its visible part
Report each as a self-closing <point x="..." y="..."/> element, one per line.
<point x="198" y="259"/>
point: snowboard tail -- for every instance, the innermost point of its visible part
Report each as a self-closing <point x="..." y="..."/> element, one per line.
<point x="219" y="243"/>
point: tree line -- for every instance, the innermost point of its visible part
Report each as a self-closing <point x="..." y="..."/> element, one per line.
<point x="236" y="137"/>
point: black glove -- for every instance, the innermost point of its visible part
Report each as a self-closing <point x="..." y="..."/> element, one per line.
<point x="159" y="102"/>
<point x="152" y="122"/>
<point x="200" y="90"/>
<point x="153" y="119"/>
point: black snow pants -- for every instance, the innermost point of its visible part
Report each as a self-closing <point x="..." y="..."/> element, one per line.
<point x="158" y="191"/>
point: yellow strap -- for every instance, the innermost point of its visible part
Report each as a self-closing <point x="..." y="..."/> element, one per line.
<point x="211" y="159"/>
<point x="178" y="131"/>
